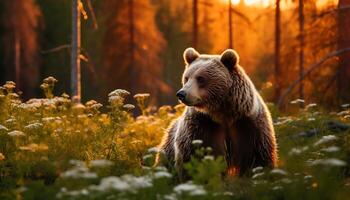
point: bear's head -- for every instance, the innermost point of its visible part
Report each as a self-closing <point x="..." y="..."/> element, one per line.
<point x="207" y="78"/>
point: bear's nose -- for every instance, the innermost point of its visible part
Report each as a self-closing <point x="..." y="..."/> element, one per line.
<point x="181" y="95"/>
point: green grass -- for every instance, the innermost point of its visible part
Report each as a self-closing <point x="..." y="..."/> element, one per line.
<point x="56" y="148"/>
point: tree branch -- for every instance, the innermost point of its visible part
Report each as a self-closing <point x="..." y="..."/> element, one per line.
<point x="308" y="71"/>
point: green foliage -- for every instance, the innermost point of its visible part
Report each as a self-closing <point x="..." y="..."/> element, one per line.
<point x="57" y="148"/>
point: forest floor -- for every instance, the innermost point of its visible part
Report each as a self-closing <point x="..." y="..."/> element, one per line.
<point x="55" y="148"/>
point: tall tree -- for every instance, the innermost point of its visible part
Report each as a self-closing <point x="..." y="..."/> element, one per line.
<point x="230" y="29"/>
<point x="277" y="73"/>
<point x="301" y="47"/>
<point x="75" y="51"/>
<point x="21" y="20"/>
<point x="195" y="23"/>
<point x="132" y="45"/>
<point x="344" y="59"/>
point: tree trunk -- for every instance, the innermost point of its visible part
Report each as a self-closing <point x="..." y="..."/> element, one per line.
<point x="75" y="52"/>
<point x="343" y="75"/>
<point x="277" y="51"/>
<point x="195" y="23"/>
<point x="301" y="46"/>
<point x="17" y="59"/>
<point x="133" y="72"/>
<point x="230" y="30"/>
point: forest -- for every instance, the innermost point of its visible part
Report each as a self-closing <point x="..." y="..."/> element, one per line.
<point x="88" y="89"/>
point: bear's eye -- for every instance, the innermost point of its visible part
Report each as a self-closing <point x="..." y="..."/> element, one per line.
<point x="186" y="79"/>
<point x="200" y="80"/>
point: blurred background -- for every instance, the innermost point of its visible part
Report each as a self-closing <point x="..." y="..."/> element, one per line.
<point x="290" y="48"/>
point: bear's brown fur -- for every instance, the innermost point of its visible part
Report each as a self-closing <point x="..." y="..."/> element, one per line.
<point x="225" y="111"/>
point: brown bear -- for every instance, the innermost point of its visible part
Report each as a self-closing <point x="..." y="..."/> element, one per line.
<point x="225" y="111"/>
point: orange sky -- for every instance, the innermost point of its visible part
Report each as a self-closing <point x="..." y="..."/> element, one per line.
<point x="284" y="3"/>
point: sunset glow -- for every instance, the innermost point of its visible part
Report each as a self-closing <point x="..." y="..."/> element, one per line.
<point x="284" y="4"/>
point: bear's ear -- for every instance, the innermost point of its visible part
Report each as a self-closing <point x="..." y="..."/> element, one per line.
<point x="229" y="58"/>
<point x="190" y="54"/>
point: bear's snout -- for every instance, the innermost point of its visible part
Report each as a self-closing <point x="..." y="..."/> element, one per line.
<point x="181" y="94"/>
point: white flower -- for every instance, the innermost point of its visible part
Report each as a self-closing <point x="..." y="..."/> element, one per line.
<point x="345" y="112"/>
<point x="257" y="175"/>
<point x="257" y="169"/>
<point x="331" y="149"/>
<point x="3" y="128"/>
<point x="311" y="119"/>
<point x="297" y="101"/>
<point x="16" y="133"/>
<point x="119" y="92"/>
<point x="325" y="139"/>
<point x="137" y="182"/>
<point x="162" y="174"/>
<point x="331" y="162"/>
<point x="79" y="172"/>
<point x="208" y="158"/>
<point x="297" y="151"/>
<point x="111" y="183"/>
<point x="101" y="163"/>
<point x="34" y="126"/>
<point x="161" y="168"/>
<point x="278" y="172"/>
<point x="190" y="188"/>
<point x="311" y="105"/>
<point x="197" y="142"/>
<point x="345" y="105"/>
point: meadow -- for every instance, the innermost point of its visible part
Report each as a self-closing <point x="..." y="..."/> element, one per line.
<point x="57" y="148"/>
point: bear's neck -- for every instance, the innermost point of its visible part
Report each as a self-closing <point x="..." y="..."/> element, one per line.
<point x="238" y="104"/>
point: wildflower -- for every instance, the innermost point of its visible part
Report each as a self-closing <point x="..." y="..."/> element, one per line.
<point x="111" y="183"/>
<point x="197" y="142"/>
<point x="190" y="188"/>
<point x="257" y="169"/>
<point x="325" y="139"/>
<point x="2" y="157"/>
<point x="331" y="149"/>
<point x="34" y="147"/>
<point x="277" y="187"/>
<point x="79" y="172"/>
<point x="258" y="175"/>
<point x="208" y="158"/>
<point x="331" y="162"/>
<point x="297" y="101"/>
<point x="16" y="133"/>
<point x="162" y="174"/>
<point x="311" y="105"/>
<point x="137" y="182"/>
<point x="79" y="107"/>
<point x="115" y="100"/>
<point x="128" y="107"/>
<point x="278" y="172"/>
<point x="65" y="95"/>
<point x="9" y="85"/>
<point x="345" y="105"/>
<point x="119" y="92"/>
<point x="34" y="126"/>
<point x="345" y="112"/>
<point x="3" y="128"/>
<point x="297" y="151"/>
<point x="101" y="163"/>
<point x="161" y="168"/>
<point x="141" y="96"/>
<point x="50" y="80"/>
